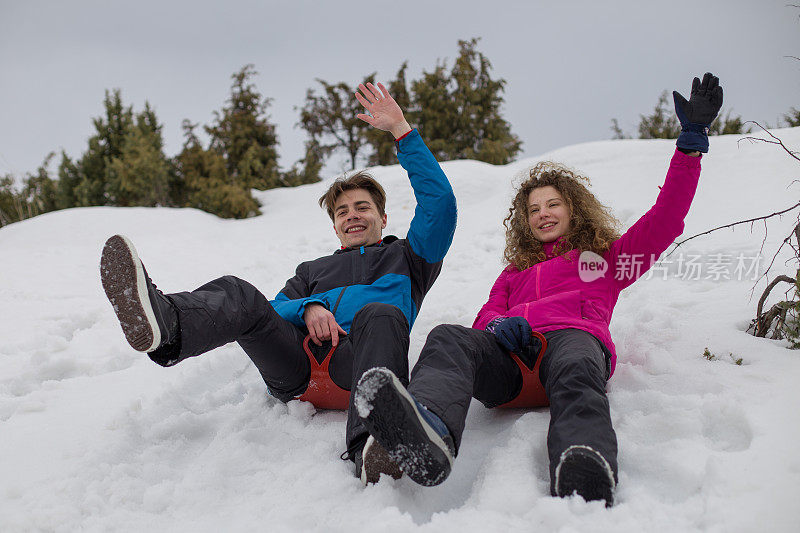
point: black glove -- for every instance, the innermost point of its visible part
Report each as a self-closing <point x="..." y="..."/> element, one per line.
<point x="513" y="333"/>
<point x="698" y="113"/>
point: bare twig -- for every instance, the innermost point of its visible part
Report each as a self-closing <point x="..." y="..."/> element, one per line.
<point x="751" y="220"/>
<point x="775" y="140"/>
<point x="796" y="236"/>
<point x="764" y="240"/>
<point x="786" y="241"/>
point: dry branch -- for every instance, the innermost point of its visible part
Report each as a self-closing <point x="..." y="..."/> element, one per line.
<point x="775" y="140"/>
<point x="764" y="321"/>
<point x="751" y="220"/>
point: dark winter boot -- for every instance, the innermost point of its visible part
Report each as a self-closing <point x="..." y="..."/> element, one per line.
<point x="583" y="471"/>
<point x="147" y="317"/>
<point x="414" y="438"/>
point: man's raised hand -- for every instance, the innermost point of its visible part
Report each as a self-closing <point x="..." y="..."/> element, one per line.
<point x="384" y="113"/>
<point x="321" y="324"/>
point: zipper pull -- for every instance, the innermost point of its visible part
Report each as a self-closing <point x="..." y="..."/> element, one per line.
<point x="362" y="250"/>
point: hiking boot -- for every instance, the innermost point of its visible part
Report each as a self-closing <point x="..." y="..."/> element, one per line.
<point x="583" y="471"/>
<point x="147" y="317"/>
<point x="372" y="461"/>
<point x="414" y="438"/>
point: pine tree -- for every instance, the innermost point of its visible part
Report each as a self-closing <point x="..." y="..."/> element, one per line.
<point x="618" y="133"/>
<point x="435" y="112"/>
<point x="68" y="179"/>
<point x="792" y="118"/>
<point x="244" y="136"/>
<point x="307" y="169"/>
<point x="39" y="190"/>
<point x="140" y="175"/>
<point x="383" y="146"/>
<point x="727" y="125"/>
<point x="124" y="164"/>
<point x="458" y="112"/>
<point x="482" y="132"/>
<point x="104" y="146"/>
<point x="9" y="201"/>
<point x="330" y="120"/>
<point x="36" y="196"/>
<point x="208" y="185"/>
<point x="662" y="123"/>
<point x="242" y="155"/>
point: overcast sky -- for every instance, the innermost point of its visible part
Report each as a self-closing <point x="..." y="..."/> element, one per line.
<point x="570" y="66"/>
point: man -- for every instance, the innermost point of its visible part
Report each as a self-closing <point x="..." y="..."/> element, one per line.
<point x="356" y="306"/>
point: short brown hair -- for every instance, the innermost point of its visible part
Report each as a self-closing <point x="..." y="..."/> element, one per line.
<point x="359" y="180"/>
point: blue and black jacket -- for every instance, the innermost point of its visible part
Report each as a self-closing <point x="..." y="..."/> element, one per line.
<point x="394" y="271"/>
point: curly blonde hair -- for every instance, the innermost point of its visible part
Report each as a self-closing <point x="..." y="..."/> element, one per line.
<point x="591" y="225"/>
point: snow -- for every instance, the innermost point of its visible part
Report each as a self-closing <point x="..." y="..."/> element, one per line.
<point x="96" y="437"/>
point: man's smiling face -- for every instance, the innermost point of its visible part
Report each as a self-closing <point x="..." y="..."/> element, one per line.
<point x="356" y="219"/>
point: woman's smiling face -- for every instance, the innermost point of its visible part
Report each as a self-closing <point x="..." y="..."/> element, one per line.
<point x="548" y="214"/>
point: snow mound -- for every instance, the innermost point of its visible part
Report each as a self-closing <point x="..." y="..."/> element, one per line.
<point x="96" y="437"/>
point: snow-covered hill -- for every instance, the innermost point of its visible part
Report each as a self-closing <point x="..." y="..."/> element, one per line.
<point x="95" y="437"/>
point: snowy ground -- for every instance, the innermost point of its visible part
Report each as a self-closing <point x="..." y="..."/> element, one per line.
<point x="95" y="437"/>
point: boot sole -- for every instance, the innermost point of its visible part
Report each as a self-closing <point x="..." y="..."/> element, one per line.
<point x="397" y="425"/>
<point x="587" y="476"/>
<point x="125" y="285"/>
<point x="376" y="461"/>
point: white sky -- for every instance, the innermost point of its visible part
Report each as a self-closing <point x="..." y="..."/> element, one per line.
<point x="571" y="66"/>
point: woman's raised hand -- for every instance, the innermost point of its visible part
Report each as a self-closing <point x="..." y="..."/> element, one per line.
<point x="384" y="113"/>
<point x="698" y="112"/>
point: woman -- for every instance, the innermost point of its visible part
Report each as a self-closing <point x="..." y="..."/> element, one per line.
<point x="543" y="334"/>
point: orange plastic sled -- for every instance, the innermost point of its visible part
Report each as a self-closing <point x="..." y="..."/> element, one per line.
<point x="532" y="393"/>
<point x="322" y="392"/>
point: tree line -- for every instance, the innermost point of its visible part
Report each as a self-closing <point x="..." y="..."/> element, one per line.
<point x="662" y="123"/>
<point x="457" y="108"/>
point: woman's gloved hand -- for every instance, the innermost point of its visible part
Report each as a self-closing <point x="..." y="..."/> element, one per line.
<point x="513" y="332"/>
<point x="697" y="114"/>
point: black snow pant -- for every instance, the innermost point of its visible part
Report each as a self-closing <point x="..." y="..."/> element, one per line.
<point x="458" y="364"/>
<point x="230" y="309"/>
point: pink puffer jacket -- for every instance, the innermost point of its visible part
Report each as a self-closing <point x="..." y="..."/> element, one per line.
<point x="551" y="295"/>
